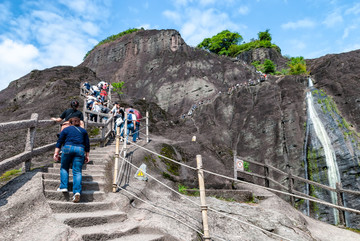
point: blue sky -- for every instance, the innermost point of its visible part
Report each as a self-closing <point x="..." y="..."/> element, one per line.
<point x="38" y="34"/>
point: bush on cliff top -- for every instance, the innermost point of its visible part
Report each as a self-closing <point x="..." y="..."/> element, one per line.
<point x="113" y="38"/>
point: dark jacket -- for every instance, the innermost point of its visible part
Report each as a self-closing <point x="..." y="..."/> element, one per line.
<point x="74" y="136"/>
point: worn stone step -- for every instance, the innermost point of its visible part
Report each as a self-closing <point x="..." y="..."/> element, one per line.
<point x="69" y="207"/>
<point x="88" y="219"/>
<point x="86" y="196"/>
<point x="144" y="237"/>
<point x="86" y="185"/>
<point x="87" y="172"/>
<point x="85" y="177"/>
<point x="88" y="167"/>
<point x="106" y="231"/>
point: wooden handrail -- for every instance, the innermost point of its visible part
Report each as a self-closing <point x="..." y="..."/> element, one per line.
<point x="30" y="152"/>
<point x="290" y="177"/>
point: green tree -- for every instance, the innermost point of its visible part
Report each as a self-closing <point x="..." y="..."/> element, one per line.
<point x="265" y="35"/>
<point x="221" y="42"/>
<point x="118" y="87"/>
<point x="297" y="66"/>
<point x="269" y="66"/>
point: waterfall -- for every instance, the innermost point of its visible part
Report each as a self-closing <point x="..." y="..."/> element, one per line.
<point x="333" y="171"/>
<point x="307" y="192"/>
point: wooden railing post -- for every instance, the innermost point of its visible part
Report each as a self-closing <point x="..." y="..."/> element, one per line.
<point x="116" y="164"/>
<point x="266" y="174"/>
<point x="290" y="184"/>
<point x="340" y="203"/>
<point x="30" y="139"/>
<point x="202" y="197"/>
<point x="85" y="115"/>
<point x="125" y="134"/>
<point x="147" y="126"/>
<point x="235" y="167"/>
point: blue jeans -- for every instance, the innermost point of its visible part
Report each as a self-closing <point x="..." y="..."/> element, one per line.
<point x="130" y="127"/>
<point x="137" y="129"/>
<point x="76" y="156"/>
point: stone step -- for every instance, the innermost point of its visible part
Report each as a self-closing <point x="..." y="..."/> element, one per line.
<point x="86" y="196"/>
<point x="88" y="219"/>
<point x="87" y="172"/>
<point x="85" y="177"/>
<point x="90" y="167"/>
<point x="68" y="207"/>
<point x="106" y="231"/>
<point x="86" y="185"/>
<point x="143" y="237"/>
<point x="97" y="161"/>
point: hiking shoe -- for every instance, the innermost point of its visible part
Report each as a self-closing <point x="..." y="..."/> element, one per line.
<point x="76" y="197"/>
<point x="62" y="190"/>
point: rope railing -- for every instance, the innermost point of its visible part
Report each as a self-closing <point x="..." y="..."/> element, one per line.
<point x="256" y="185"/>
<point x="199" y="205"/>
<point x="161" y="210"/>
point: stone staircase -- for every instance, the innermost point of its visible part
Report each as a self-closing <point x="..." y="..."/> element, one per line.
<point x="93" y="218"/>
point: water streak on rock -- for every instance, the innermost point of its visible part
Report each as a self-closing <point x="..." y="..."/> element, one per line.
<point x="333" y="171"/>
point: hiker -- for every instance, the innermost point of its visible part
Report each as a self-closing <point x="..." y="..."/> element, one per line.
<point x="96" y="108"/>
<point x="95" y="90"/>
<point x="70" y="113"/>
<point x="131" y="119"/>
<point x="86" y="85"/>
<point x="119" y="117"/>
<point x="115" y="111"/>
<point x="75" y="151"/>
<point x="103" y="95"/>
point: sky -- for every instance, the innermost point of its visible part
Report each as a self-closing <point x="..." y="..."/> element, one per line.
<point x="39" y="34"/>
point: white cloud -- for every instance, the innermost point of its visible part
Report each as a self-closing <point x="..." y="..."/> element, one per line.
<point x="75" y="5"/>
<point x="63" y="36"/>
<point x="16" y="60"/>
<point x="304" y="23"/>
<point x="145" y="26"/>
<point x="173" y="16"/>
<point x="4" y="12"/>
<point x="347" y="31"/>
<point x="351" y="47"/>
<point x="182" y="3"/>
<point x="333" y="19"/>
<point x="298" y="44"/>
<point x="207" y="2"/>
<point x="200" y="24"/>
<point x="243" y="10"/>
<point x="354" y="10"/>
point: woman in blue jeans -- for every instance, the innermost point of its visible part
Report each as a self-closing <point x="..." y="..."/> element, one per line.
<point x="75" y="151"/>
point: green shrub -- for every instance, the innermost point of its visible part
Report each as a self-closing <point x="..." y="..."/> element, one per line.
<point x="247" y="166"/>
<point x="10" y="174"/>
<point x="269" y="66"/>
<point x="113" y="37"/>
<point x="169" y="152"/>
<point x="297" y="66"/>
<point x="182" y="189"/>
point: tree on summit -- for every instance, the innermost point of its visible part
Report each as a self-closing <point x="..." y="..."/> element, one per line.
<point x="265" y="36"/>
<point x="221" y="42"/>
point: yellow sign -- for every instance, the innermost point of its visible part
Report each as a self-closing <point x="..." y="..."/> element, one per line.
<point x="141" y="173"/>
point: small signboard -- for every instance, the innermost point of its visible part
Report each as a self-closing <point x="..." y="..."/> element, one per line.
<point x="239" y="164"/>
<point x="141" y="173"/>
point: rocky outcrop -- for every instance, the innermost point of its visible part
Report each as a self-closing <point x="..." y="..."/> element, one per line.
<point x="159" y="66"/>
<point x="265" y="122"/>
<point x="261" y="54"/>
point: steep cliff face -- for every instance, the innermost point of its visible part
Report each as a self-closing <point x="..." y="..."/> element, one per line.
<point x="261" y="54"/>
<point x="48" y="93"/>
<point x="208" y="96"/>
<point x="159" y="66"/>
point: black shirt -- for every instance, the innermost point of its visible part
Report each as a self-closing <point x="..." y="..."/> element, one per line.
<point x="70" y="113"/>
